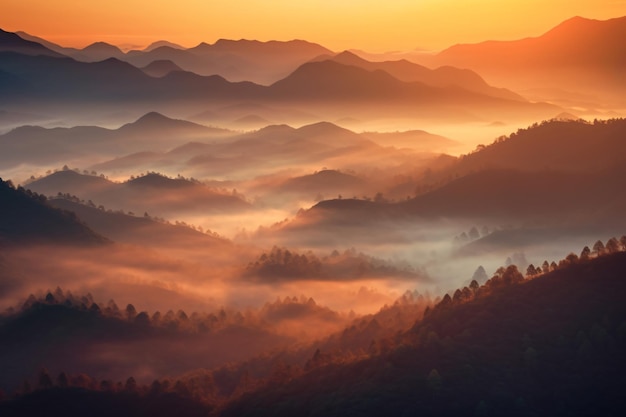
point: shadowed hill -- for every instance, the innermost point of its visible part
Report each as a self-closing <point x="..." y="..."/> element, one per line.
<point x="56" y="146"/>
<point x="563" y="145"/>
<point x="160" y="68"/>
<point x="99" y="51"/>
<point x="553" y="167"/>
<point x="566" y="57"/>
<point x="26" y="218"/>
<point x="445" y="76"/>
<point x="325" y="181"/>
<point x="68" y="80"/>
<point x="11" y="42"/>
<point x="553" y="345"/>
<point x="152" y="192"/>
<point x="123" y="228"/>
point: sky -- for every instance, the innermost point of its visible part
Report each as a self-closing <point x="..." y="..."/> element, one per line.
<point x="370" y="25"/>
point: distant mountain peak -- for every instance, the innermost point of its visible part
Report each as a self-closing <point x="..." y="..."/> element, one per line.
<point x="13" y="42"/>
<point x="101" y="45"/>
<point x="160" y="67"/>
<point x="161" y="43"/>
<point x="152" y="117"/>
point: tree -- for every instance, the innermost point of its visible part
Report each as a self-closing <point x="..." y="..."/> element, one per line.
<point x="142" y="319"/>
<point x="512" y="275"/>
<point x="480" y="275"/>
<point x="612" y="245"/>
<point x="45" y="381"/>
<point x="473" y="233"/>
<point x="131" y="385"/>
<point x="62" y="380"/>
<point x="131" y="312"/>
<point x="585" y="254"/>
<point x="598" y="248"/>
<point x="530" y="271"/>
<point x="434" y="380"/>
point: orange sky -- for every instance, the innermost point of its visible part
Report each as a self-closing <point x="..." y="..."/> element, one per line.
<point x="372" y="25"/>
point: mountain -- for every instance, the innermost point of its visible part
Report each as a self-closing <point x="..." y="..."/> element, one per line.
<point x="143" y="230"/>
<point x="322" y="88"/>
<point x="64" y="80"/>
<point x="336" y="85"/>
<point x="563" y="145"/>
<point x="498" y="195"/>
<point x="100" y="51"/>
<point x="156" y="123"/>
<point x="445" y="76"/>
<point x="514" y="346"/>
<point x="26" y="218"/>
<point x="260" y="152"/>
<point x="235" y="60"/>
<point x="325" y="181"/>
<point x="62" y="50"/>
<point x="158" y="44"/>
<point x="418" y="140"/>
<point x="11" y="42"/>
<point x="152" y="193"/>
<point x="51" y="147"/>
<point x="566" y="56"/>
<point x="160" y="68"/>
<point x="333" y="80"/>
<point x="558" y="175"/>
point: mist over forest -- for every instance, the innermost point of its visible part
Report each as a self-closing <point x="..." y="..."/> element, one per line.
<point x="275" y="228"/>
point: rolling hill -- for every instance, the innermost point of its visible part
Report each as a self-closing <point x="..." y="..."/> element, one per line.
<point x="551" y="345"/>
<point x="26" y="219"/>
<point x="53" y="146"/>
<point x="566" y="57"/>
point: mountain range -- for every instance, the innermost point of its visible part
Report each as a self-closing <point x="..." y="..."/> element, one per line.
<point x="340" y="78"/>
<point x="579" y="55"/>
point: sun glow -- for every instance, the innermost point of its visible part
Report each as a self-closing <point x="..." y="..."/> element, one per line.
<point x="368" y="25"/>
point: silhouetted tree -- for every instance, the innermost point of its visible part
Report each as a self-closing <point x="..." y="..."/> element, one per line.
<point x="434" y="380"/>
<point x="45" y="381"/>
<point x="598" y="248"/>
<point x="142" y="319"/>
<point x="480" y="275"/>
<point x="585" y="254"/>
<point x="130" y="385"/>
<point x="130" y="312"/>
<point x="612" y="245"/>
<point x="62" y="380"/>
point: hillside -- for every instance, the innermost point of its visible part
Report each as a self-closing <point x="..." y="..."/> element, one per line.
<point x="144" y="230"/>
<point x="565" y="57"/>
<point x="26" y="218"/>
<point x="446" y="76"/>
<point x="553" y="345"/>
<point x="154" y="193"/>
<point x="61" y="145"/>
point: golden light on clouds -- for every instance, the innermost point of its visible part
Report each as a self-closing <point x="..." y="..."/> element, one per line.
<point x="365" y="24"/>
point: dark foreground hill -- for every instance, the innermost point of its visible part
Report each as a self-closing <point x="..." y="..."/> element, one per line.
<point x="25" y="218"/>
<point x="547" y="345"/>
<point x="550" y="346"/>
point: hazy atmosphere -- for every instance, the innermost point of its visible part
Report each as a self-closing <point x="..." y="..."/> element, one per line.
<point x="253" y="208"/>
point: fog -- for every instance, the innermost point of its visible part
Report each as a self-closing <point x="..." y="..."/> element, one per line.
<point x="239" y="227"/>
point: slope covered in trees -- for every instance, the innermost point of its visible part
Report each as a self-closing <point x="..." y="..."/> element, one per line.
<point x="551" y="345"/>
<point x="25" y="217"/>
